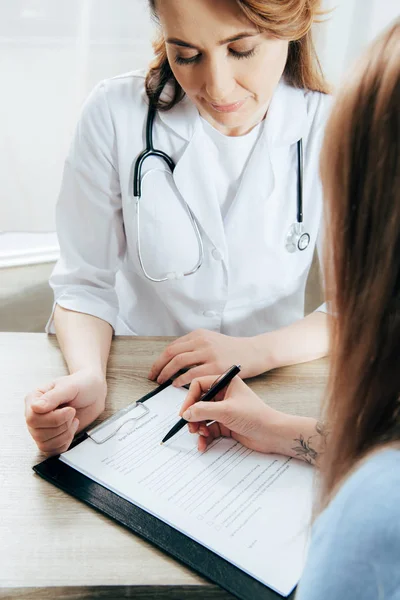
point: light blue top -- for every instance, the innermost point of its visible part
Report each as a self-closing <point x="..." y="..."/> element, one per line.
<point x="355" y="544"/>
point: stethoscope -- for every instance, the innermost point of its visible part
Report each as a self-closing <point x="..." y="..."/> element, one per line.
<point x="296" y="238"/>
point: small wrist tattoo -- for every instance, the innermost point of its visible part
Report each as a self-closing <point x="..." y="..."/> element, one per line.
<point x="305" y="450"/>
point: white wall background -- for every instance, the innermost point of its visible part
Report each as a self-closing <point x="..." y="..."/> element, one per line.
<point x="52" y="52"/>
<point x="347" y="29"/>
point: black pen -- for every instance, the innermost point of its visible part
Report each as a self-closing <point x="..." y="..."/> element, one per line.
<point x="216" y="387"/>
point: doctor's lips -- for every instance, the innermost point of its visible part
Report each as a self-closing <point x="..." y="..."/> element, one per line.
<point x="227" y="108"/>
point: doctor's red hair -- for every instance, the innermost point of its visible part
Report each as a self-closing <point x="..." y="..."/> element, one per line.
<point x="286" y="19"/>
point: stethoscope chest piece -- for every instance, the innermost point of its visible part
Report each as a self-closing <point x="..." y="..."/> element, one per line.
<point x="297" y="238"/>
<point x="304" y="241"/>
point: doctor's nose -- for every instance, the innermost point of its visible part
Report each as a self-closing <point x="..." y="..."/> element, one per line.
<point x="218" y="82"/>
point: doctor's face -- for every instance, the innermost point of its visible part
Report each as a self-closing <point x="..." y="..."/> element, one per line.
<point x="225" y="65"/>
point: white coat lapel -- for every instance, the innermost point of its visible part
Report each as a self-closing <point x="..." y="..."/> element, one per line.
<point x="194" y="179"/>
<point x="193" y="174"/>
<point x="285" y="124"/>
<point x="286" y="120"/>
<point x="182" y="118"/>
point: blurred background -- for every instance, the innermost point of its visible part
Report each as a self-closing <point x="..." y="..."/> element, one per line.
<point x="52" y="53"/>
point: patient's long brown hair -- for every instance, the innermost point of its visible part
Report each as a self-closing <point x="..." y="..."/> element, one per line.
<point x="360" y="168"/>
<point x="286" y="19"/>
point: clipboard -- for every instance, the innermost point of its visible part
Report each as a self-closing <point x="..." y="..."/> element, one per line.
<point x="187" y="551"/>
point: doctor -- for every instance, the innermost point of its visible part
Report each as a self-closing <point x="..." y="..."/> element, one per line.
<point x="209" y="237"/>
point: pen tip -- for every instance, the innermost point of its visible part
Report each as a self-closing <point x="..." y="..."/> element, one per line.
<point x="161" y="443"/>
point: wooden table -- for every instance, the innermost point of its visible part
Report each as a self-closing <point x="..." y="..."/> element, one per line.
<point x="53" y="546"/>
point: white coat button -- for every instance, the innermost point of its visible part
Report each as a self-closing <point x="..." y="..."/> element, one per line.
<point x="209" y="313"/>
<point x="217" y="254"/>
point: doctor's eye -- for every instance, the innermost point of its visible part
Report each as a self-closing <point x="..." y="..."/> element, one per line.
<point x="247" y="54"/>
<point x="180" y="60"/>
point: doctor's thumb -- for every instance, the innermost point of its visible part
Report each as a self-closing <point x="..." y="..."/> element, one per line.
<point x="206" y="411"/>
<point x="61" y="393"/>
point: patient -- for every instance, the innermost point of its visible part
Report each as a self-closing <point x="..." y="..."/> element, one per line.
<point x="355" y="546"/>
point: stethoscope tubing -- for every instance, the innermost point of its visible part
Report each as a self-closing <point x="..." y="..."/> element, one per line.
<point x="300" y="181"/>
<point x="137" y="192"/>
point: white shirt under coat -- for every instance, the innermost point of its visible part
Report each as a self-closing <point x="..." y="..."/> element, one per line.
<point x="248" y="283"/>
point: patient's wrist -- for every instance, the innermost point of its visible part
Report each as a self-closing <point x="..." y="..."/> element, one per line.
<point x="290" y="435"/>
<point x="298" y="437"/>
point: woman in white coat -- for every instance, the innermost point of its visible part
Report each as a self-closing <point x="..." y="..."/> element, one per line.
<point x="236" y="87"/>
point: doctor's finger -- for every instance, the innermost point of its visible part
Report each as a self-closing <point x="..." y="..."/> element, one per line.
<point x="167" y="355"/>
<point x="53" y="419"/>
<point x="63" y="392"/>
<point x="32" y="397"/>
<point x="45" y="388"/>
<point x="61" y="442"/>
<point x="37" y="394"/>
<point x="44" y="434"/>
<point x="200" y="371"/>
<point x="181" y="361"/>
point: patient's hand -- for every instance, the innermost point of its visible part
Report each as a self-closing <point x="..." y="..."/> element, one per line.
<point x="239" y="413"/>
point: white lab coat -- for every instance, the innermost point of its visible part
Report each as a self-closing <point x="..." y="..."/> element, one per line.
<point x="248" y="283"/>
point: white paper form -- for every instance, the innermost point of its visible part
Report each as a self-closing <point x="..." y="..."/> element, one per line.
<point x="250" y="508"/>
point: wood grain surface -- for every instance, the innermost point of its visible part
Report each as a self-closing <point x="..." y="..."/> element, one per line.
<point x="53" y="546"/>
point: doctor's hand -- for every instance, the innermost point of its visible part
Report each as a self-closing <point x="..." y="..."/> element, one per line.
<point x="239" y="413"/>
<point x="206" y="352"/>
<point x="55" y="412"/>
